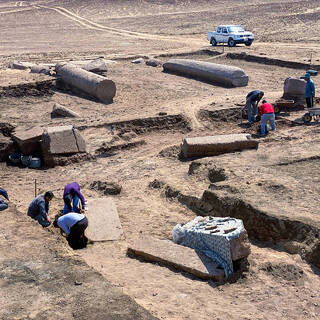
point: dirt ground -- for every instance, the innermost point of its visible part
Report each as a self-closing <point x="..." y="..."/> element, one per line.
<point x="278" y="181"/>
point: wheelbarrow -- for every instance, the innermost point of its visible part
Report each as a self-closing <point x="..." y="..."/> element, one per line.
<point x="313" y="113"/>
<point x="281" y="105"/>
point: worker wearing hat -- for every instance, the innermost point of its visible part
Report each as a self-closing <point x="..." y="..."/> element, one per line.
<point x="310" y="90"/>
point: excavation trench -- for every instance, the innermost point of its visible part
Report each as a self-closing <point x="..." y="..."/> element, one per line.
<point x="294" y="236"/>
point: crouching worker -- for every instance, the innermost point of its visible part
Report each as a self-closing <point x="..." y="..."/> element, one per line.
<point x="267" y="114"/>
<point x="71" y="197"/>
<point x="73" y="225"/>
<point x="39" y="208"/>
<point x="3" y="204"/>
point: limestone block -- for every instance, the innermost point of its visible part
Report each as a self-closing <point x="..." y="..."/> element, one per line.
<point x="173" y="255"/>
<point x="294" y="86"/>
<point x="28" y="140"/>
<point x="212" y="72"/>
<point x="222" y="239"/>
<point x="61" y="111"/>
<point x="104" y="223"/>
<point x="215" y="145"/>
<point x="62" y="140"/>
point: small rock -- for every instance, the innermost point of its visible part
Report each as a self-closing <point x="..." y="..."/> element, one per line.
<point x="77" y="283"/>
<point x="162" y="114"/>
<point x="20" y="65"/>
<point x="153" y="63"/>
<point x="137" y="61"/>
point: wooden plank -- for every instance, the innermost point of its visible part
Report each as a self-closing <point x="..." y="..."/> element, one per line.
<point x="173" y="255"/>
<point x="104" y="223"/>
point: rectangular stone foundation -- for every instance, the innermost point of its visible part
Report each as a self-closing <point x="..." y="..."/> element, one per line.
<point x="215" y="145"/>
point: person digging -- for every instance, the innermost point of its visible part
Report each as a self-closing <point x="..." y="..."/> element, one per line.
<point x="252" y="100"/>
<point x="267" y="115"/>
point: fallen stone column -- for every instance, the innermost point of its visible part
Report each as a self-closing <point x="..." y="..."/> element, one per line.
<point x="215" y="145"/>
<point x="91" y="83"/>
<point x="213" y="72"/>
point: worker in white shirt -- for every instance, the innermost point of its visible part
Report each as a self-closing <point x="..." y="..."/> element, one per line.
<point x="73" y="225"/>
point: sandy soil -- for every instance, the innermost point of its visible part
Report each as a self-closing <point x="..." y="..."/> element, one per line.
<point x="279" y="284"/>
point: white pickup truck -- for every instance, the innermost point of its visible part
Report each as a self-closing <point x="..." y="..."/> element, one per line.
<point x="230" y="34"/>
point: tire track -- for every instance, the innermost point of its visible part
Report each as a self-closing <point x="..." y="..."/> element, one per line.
<point x="119" y="32"/>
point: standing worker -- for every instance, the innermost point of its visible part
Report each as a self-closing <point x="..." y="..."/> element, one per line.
<point x="73" y="225"/>
<point x="39" y="209"/>
<point x="310" y="90"/>
<point x="252" y="101"/>
<point x="71" y="197"/>
<point x="3" y="204"/>
<point x="267" y="114"/>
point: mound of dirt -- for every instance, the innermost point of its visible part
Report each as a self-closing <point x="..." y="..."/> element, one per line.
<point x="287" y="272"/>
<point x="106" y="188"/>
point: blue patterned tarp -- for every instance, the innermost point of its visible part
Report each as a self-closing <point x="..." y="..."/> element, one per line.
<point x="214" y="242"/>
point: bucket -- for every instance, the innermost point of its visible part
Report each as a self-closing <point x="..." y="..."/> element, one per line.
<point x="35" y="163"/>
<point x="25" y="160"/>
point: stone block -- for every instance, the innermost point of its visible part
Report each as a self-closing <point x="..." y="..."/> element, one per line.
<point x="294" y="86"/>
<point x="222" y="239"/>
<point x="137" y="61"/>
<point x="42" y="69"/>
<point x="62" y="140"/>
<point x="104" y="223"/>
<point x="28" y="140"/>
<point x="179" y="257"/>
<point x="215" y="145"/>
<point x="153" y="63"/>
<point x="61" y="111"/>
<point x="216" y="73"/>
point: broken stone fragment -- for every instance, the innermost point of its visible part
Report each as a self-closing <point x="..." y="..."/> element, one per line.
<point x="153" y="63"/>
<point x="61" y="111"/>
<point x="98" y="65"/>
<point x="28" y="140"/>
<point x="20" y="65"/>
<point x="137" y="61"/>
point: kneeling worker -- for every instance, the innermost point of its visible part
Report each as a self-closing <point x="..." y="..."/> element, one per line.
<point x="39" y="208"/>
<point x="267" y="114"/>
<point x="71" y="197"/>
<point x="74" y="225"/>
<point x="3" y="204"/>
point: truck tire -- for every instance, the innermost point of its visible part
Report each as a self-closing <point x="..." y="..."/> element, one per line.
<point x="231" y="43"/>
<point x="213" y="42"/>
<point x="248" y="43"/>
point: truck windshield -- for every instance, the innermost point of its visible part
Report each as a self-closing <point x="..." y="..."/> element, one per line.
<point x="236" y="29"/>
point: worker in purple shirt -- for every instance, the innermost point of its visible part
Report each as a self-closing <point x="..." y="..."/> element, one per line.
<point x="71" y="197"/>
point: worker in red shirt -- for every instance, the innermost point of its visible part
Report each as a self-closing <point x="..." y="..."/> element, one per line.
<point x="267" y="114"/>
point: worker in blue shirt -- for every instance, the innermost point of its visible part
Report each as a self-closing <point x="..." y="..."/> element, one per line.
<point x="310" y="90"/>
<point x="252" y="100"/>
<point x="3" y="204"/>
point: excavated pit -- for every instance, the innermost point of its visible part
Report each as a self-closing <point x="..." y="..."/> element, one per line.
<point x="35" y="89"/>
<point x="223" y="199"/>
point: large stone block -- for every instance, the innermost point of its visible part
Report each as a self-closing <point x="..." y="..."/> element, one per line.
<point x="222" y="239"/>
<point x="173" y="255"/>
<point x="62" y="140"/>
<point x="215" y="145"/>
<point x="294" y="89"/>
<point x="98" y="66"/>
<point x="28" y="140"/>
<point x="212" y="72"/>
<point x="104" y="222"/>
